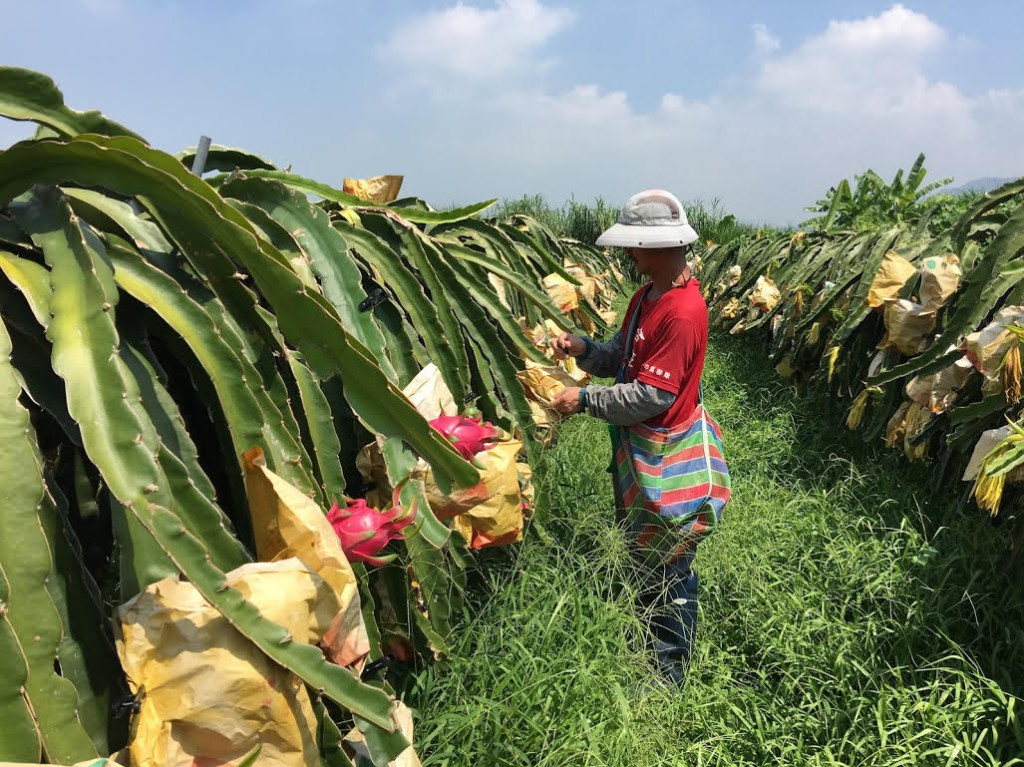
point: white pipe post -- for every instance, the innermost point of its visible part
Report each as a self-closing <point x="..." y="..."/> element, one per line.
<point x="199" y="161"/>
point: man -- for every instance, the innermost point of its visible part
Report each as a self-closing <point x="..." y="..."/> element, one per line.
<point x="668" y="454"/>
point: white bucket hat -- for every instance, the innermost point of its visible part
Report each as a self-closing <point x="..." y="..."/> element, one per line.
<point x="652" y="219"/>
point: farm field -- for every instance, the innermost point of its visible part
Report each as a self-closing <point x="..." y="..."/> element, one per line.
<point x="285" y="483"/>
<point x="846" y="618"/>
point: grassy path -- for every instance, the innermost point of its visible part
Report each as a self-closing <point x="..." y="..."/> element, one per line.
<point x="845" y="618"/>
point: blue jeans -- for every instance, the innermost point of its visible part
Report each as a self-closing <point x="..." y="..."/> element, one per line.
<point x="671" y="596"/>
<point x="672" y="600"/>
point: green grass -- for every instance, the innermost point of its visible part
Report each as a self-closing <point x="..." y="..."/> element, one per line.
<point x="846" y="617"/>
<point x="585" y="221"/>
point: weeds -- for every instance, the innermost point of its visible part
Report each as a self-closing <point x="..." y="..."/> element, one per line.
<point x="577" y="220"/>
<point x="585" y="221"/>
<point x="846" y="617"/>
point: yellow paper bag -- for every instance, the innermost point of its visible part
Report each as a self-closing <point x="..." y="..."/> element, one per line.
<point x="731" y="280"/>
<point x="498" y="520"/>
<point x="287" y="523"/>
<point x="587" y="289"/>
<point x="487" y="514"/>
<point x="908" y="327"/>
<point x="916" y="419"/>
<point x="765" y="295"/>
<point x="574" y="371"/>
<point x="380" y="189"/>
<point x="542" y="335"/>
<point x="208" y="694"/>
<point x="544" y="382"/>
<point x="985" y="445"/>
<point x="896" y="428"/>
<point x="583" y="320"/>
<point x="430" y="395"/>
<point x="892" y="276"/>
<point x="562" y="293"/>
<point x="738" y="328"/>
<point x="938" y="391"/>
<point x="940" y="278"/>
<point x="986" y="348"/>
<point x="545" y="418"/>
<point x="730" y="311"/>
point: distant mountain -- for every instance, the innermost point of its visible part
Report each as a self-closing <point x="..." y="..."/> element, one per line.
<point x="986" y="184"/>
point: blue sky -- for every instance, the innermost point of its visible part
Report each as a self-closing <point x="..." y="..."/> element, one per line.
<point x="763" y="105"/>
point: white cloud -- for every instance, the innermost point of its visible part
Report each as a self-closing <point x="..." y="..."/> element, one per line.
<point x="1003" y="100"/>
<point x="856" y="95"/>
<point x="897" y="26"/>
<point x="476" y="43"/>
<point x="869" y="66"/>
<point x="764" y="41"/>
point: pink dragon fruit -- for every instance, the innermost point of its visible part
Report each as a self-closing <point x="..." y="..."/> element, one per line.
<point x="364" y="531"/>
<point x="468" y="435"/>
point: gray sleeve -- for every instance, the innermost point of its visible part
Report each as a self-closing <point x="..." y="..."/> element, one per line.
<point x="602" y="359"/>
<point x="628" y="404"/>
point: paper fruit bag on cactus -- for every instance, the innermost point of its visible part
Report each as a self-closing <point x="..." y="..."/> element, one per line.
<point x="429" y="394"/>
<point x="893" y="274"/>
<point x="287" y="523"/>
<point x="561" y="291"/>
<point x="908" y="327"/>
<point x="379" y="189"/>
<point x="542" y="383"/>
<point x="987" y="348"/>
<point x="491" y="512"/>
<point x="765" y="295"/>
<point x="210" y="694"/>
<point x="542" y="335"/>
<point x="940" y="279"/>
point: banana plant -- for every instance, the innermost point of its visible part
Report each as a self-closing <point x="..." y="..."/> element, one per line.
<point x="869" y="201"/>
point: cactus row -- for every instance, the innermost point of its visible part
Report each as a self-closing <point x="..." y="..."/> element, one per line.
<point x="156" y="325"/>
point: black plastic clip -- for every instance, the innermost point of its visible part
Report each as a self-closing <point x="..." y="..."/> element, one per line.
<point x="376" y="298"/>
<point x="374" y="666"/>
<point x="128" y="704"/>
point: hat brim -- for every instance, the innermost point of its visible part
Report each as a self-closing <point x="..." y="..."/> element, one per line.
<point x="626" y="236"/>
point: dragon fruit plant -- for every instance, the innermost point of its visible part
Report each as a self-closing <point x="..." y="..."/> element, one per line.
<point x="468" y="433"/>
<point x="364" y="531"/>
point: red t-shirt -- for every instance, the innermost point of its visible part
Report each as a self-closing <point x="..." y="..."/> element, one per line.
<point x="668" y="347"/>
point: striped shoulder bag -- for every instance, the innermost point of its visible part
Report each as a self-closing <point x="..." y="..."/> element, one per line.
<point x="672" y="484"/>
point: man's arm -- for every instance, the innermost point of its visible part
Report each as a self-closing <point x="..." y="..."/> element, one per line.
<point x="666" y="365"/>
<point x="628" y="404"/>
<point x="602" y="359"/>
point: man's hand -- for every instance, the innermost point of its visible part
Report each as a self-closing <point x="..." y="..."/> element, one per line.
<point x="568" y="345"/>
<point x="567" y="401"/>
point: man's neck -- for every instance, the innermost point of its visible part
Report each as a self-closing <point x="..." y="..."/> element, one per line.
<point x="663" y="283"/>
